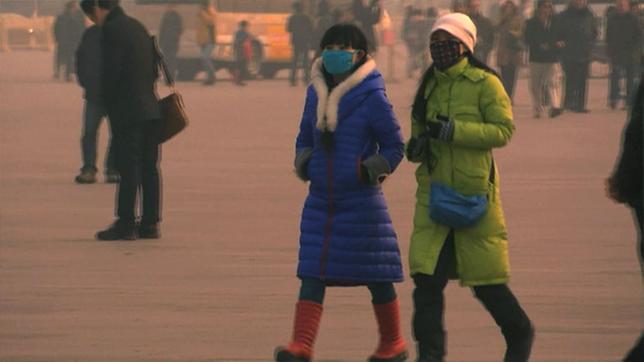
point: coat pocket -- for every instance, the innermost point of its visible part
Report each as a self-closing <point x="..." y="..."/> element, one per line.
<point x="471" y="181"/>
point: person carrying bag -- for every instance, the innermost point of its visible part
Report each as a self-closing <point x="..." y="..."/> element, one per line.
<point x="460" y="113"/>
<point x="174" y="118"/>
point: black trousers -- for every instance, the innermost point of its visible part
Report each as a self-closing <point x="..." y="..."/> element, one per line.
<point x="137" y="155"/>
<point x="242" y="72"/>
<point x="640" y="222"/>
<point x="65" y="58"/>
<point x="576" y="84"/>
<point x="170" y="56"/>
<point x="509" y="79"/>
<point x="637" y="352"/>
<point x="428" y="324"/>
<point x="300" y="54"/>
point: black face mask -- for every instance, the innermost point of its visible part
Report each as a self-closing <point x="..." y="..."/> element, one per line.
<point x="445" y="53"/>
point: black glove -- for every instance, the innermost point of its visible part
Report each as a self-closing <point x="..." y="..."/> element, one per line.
<point x="416" y="147"/>
<point x="442" y="128"/>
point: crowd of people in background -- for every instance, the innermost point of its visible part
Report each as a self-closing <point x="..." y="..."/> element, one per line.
<point x="557" y="47"/>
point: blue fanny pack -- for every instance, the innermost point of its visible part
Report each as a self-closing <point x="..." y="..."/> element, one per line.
<point x="451" y="208"/>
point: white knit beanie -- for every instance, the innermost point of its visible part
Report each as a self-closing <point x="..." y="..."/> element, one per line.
<point x="460" y="26"/>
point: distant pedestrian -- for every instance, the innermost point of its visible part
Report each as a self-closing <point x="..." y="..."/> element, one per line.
<point x="545" y="71"/>
<point x="431" y="15"/>
<point x="301" y="29"/>
<point x="170" y="32"/>
<point x="577" y="33"/>
<point x="324" y="21"/>
<point x="404" y="31"/>
<point x="626" y="185"/>
<point x="623" y="42"/>
<point x="367" y="16"/>
<point x="485" y="31"/>
<point x="243" y="49"/>
<point x="340" y="16"/>
<point x="68" y="30"/>
<point x="128" y="89"/>
<point x="88" y="74"/>
<point x="349" y="142"/>
<point x="509" y="55"/>
<point x="430" y="19"/>
<point x="460" y="114"/>
<point x="416" y="40"/>
<point x="459" y="6"/>
<point x="207" y="38"/>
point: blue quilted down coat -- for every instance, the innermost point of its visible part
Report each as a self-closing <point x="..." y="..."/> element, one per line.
<point x="347" y="237"/>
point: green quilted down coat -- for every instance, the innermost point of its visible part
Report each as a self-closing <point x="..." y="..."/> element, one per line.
<point x="477" y="103"/>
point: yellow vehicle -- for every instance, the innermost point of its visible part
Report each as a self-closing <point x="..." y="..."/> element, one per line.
<point x="267" y="19"/>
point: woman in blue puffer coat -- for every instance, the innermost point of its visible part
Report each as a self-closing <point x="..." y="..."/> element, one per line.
<point x="349" y="141"/>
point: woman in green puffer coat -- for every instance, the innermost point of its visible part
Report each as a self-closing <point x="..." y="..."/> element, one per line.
<point x="461" y="112"/>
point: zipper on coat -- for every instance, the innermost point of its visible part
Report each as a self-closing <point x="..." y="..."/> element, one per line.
<point x="329" y="220"/>
<point x="449" y="144"/>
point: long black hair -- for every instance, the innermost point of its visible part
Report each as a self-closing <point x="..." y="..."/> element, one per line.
<point x="419" y="108"/>
<point x="344" y="34"/>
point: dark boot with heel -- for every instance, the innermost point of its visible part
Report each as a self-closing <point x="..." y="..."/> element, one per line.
<point x="515" y="325"/>
<point x="117" y="231"/>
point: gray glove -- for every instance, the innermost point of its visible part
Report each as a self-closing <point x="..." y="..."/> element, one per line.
<point x="301" y="163"/>
<point x="375" y="169"/>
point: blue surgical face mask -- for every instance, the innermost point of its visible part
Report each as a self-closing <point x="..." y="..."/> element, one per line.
<point x="338" y="61"/>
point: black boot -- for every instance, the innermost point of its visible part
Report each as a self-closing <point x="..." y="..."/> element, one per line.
<point x="432" y="349"/>
<point x="149" y="231"/>
<point x="428" y="326"/>
<point x="117" y="231"/>
<point x="283" y="355"/>
<point x="511" y="318"/>
<point x="400" y="357"/>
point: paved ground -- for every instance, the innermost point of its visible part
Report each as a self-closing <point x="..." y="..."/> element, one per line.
<point x="220" y="284"/>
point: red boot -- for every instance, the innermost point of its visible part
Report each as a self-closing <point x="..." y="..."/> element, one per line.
<point x="305" y="329"/>
<point x="392" y="347"/>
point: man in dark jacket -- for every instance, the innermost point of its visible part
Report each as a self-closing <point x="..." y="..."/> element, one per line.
<point x="170" y="32"/>
<point x="545" y="73"/>
<point x="576" y="35"/>
<point x="301" y="29"/>
<point x="128" y="79"/>
<point x="68" y="29"/>
<point x="626" y="186"/>
<point x="484" y="31"/>
<point x="623" y="41"/>
<point x="88" y="74"/>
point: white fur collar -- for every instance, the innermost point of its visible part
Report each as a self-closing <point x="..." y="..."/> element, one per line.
<point x="328" y="104"/>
